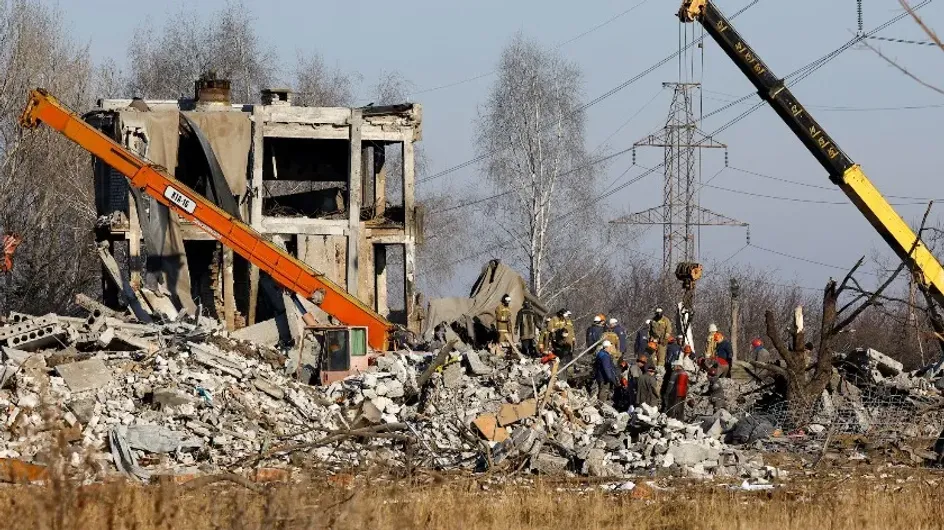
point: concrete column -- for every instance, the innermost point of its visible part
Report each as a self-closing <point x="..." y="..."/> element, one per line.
<point x="380" y="280"/>
<point x="255" y="201"/>
<point x="134" y="242"/>
<point x="354" y="201"/>
<point x="229" y="296"/>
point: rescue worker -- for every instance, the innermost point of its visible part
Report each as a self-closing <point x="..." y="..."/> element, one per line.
<point x="503" y="320"/>
<point x="605" y="375"/>
<point x="610" y="336"/>
<point x="545" y="336"/>
<point x="595" y="331"/>
<point x="673" y="352"/>
<point x="724" y="350"/>
<point x="647" y="390"/>
<point x="528" y="327"/>
<point x="660" y="329"/>
<point x="710" y="344"/>
<point x="568" y="324"/>
<point x="642" y="339"/>
<point x="674" y="402"/>
<point x="562" y="347"/>
<point x="623" y="344"/>
<point x="759" y="353"/>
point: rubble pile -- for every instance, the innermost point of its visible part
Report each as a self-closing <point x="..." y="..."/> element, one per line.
<point x="183" y="397"/>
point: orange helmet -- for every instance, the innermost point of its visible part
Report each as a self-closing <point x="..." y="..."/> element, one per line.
<point x="653" y="346"/>
<point x="687" y="349"/>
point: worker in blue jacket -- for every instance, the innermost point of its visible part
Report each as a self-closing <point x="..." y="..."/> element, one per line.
<point x="605" y="375"/>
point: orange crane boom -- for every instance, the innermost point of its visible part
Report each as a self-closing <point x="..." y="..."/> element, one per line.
<point x="287" y="271"/>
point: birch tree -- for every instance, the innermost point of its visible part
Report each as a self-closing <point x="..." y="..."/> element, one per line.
<point x="531" y="136"/>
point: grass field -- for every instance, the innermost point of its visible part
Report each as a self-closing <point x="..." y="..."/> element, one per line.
<point x="911" y="499"/>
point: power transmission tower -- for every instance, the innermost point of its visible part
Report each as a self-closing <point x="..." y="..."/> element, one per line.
<point x="680" y="213"/>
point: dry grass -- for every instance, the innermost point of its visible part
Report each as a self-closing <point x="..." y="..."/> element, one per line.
<point x="468" y="503"/>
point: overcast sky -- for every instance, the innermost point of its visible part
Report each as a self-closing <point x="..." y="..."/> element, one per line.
<point x="882" y="119"/>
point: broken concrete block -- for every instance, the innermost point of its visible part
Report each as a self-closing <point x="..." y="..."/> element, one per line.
<point x="85" y="375"/>
<point x="157" y="439"/>
<point x="595" y="463"/>
<point x="476" y="366"/>
<point x="105" y="337"/>
<point x="136" y="343"/>
<point x="509" y="413"/>
<point x="550" y="465"/>
<point x="268" y="387"/>
<point x="370" y="412"/>
<point x="692" y="453"/>
<point x="205" y="356"/>
<point x="266" y="333"/>
<point x="395" y="389"/>
<point x="487" y="425"/>
<point x="172" y="397"/>
<point x="452" y="375"/>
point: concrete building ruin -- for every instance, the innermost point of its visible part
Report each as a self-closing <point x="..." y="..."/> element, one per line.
<point x="333" y="185"/>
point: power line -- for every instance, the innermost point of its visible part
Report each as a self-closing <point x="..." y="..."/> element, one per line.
<point x="560" y="45"/>
<point x="592" y="102"/>
<point x="806" y="71"/>
<point x="832" y="189"/>
<point x="806" y="260"/>
<point x="833" y="108"/>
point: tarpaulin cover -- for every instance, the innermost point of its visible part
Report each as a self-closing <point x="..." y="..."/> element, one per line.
<point x="495" y="281"/>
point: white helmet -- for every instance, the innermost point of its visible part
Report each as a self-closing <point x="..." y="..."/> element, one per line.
<point x="597" y="319"/>
<point x="567" y="313"/>
<point x="606" y="344"/>
<point x="659" y="310"/>
<point x="712" y="328"/>
<point x="648" y="322"/>
<point x="613" y="321"/>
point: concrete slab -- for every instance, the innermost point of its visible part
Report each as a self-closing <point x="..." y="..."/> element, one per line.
<point x="85" y="375"/>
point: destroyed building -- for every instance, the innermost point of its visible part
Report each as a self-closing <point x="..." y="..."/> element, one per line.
<point x="333" y="185"/>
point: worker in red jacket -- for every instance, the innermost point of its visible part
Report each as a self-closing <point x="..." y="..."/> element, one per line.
<point x="677" y="392"/>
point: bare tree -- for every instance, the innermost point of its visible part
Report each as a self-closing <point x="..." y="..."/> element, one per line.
<point x="165" y="62"/>
<point x="46" y="191"/>
<point x="531" y="135"/>
<point x="316" y="85"/>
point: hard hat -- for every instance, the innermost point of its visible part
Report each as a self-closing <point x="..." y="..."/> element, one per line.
<point x="687" y="349"/>
<point x="756" y="343"/>
<point x="718" y="336"/>
<point x="564" y="333"/>
<point x="507" y="298"/>
<point x="567" y="313"/>
<point x="648" y="322"/>
<point x="712" y="328"/>
<point x="642" y="359"/>
<point x="613" y="321"/>
<point x="671" y="339"/>
<point x="598" y="319"/>
<point x="659" y="310"/>
<point x="606" y="344"/>
<point x="652" y="345"/>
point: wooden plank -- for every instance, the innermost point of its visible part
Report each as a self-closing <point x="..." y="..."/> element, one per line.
<point x="354" y="202"/>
